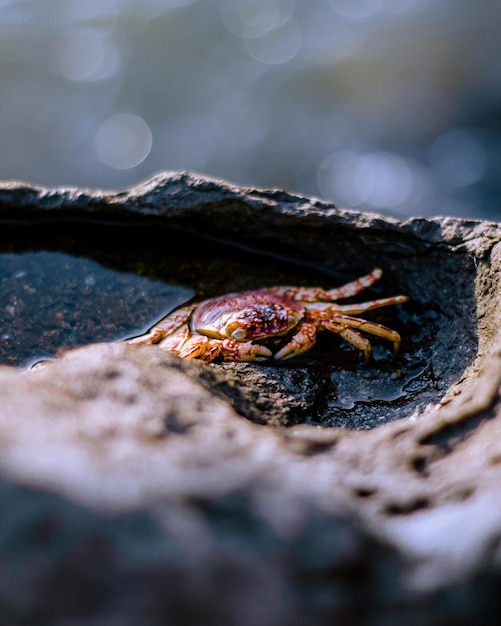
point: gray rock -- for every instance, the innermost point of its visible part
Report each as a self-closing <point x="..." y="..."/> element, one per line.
<point x="352" y="493"/>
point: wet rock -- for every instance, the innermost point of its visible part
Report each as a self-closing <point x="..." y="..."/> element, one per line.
<point x="360" y="494"/>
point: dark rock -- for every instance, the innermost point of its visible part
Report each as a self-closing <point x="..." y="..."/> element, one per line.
<point x="70" y="563"/>
<point x="154" y="468"/>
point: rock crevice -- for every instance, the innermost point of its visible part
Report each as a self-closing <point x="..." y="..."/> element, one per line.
<point x="283" y="479"/>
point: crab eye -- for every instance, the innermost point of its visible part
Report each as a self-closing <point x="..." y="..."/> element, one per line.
<point x="239" y="334"/>
<point x="236" y="332"/>
<point x="292" y="320"/>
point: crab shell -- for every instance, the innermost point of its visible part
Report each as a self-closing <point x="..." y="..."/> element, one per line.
<point x="250" y="315"/>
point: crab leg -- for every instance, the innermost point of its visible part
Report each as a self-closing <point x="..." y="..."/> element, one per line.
<point x="200" y="347"/>
<point x="244" y="351"/>
<point x="175" y="341"/>
<point x="313" y="294"/>
<point x="369" y="327"/>
<point x="194" y="347"/>
<point x="356" y="309"/>
<point x="302" y="341"/>
<point x="212" y="351"/>
<point x="168" y="325"/>
<point x="350" y="335"/>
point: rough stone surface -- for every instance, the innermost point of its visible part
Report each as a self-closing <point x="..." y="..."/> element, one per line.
<point x="136" y="491"/>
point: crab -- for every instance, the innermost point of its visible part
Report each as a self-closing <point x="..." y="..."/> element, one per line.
<point x="234" y="326"/>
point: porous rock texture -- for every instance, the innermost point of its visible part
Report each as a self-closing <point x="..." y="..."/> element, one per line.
<point x="138" y="488"/>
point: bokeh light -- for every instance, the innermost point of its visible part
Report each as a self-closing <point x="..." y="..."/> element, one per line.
<point x="123" y="141"/>
<point x="458" y="158"/>
<point x="84" y="54"/>
<point x="276" y="46"/>
<point x="255" y="18"/>
<point x="381" y="105"/>
<point x="367" y="180"/>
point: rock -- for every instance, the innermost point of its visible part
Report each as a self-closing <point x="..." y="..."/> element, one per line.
<point x="193" y="565"/>
<point x="351" y="493"/>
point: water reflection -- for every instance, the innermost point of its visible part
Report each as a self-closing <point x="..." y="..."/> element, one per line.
<point x="261" y="92"/>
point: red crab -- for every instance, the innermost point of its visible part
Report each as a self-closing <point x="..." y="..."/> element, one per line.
<point x="232" y="326"/>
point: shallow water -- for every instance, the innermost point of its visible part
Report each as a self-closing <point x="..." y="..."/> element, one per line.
<point x="55" y="300"/>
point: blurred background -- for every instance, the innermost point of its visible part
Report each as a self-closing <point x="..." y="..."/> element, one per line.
<point x="382" y="105"/>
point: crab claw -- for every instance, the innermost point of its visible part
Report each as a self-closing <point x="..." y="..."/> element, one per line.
<point x="302" y="341"/>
